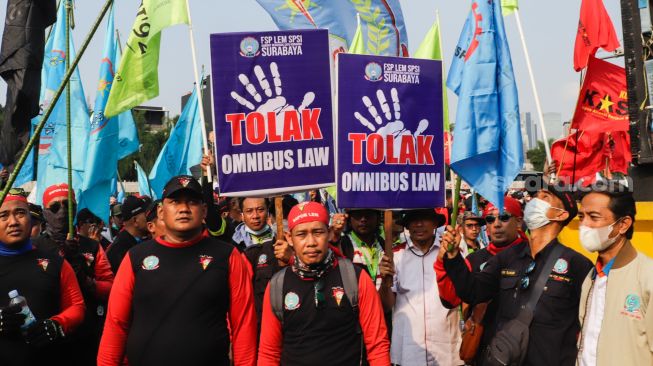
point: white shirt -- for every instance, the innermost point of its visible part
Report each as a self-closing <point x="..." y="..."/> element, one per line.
<point x="593" y="323"/>
<point x="423" y="331"/>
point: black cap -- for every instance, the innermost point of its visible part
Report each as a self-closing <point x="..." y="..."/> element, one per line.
<point x="183" y="183"/>
<point x="567" y="195"/>
<point x="133" y="206"/>
<point x="152" y="210"/>
<point x="85" y="216"/>
<point x="36" y="212"/>
<point x="429" y="213"/>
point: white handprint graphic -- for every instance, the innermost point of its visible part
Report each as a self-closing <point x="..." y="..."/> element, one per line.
<point x="393" y="126"/>
<point x="274" y="100"/>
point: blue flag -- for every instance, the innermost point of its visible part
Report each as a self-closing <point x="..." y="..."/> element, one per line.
<point x="53" y="165"/>
<point x="104" y="144"/>
<point x="183" y="149"/>
<point x="143" y="181"/>
<point x="487" y="146"/>
<point x="382" y="22"/>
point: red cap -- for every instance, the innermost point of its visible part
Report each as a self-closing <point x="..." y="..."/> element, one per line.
<point x="57" y="190"/>
<point x="307" y="212"/>
<point x="15" y="197"/>
<point x="510" y="205"/>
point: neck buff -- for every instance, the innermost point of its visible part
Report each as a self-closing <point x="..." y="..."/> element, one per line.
<point x="12" y="251"/>
<point x="313" y="271"/>
<point x="494" y="250"/>
<point x="57" y="224"/>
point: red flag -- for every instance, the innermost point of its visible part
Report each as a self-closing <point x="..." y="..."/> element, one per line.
<point x="589" y="158"/>
<point x="595" y="30"/>
<point x="603" y="100"/>
<point x="617" y="151"/>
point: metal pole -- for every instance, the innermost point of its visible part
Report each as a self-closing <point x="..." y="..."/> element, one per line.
<point x="57" y="95"/>
<point x="535" y="94"/>
<point x="198" y="89"/>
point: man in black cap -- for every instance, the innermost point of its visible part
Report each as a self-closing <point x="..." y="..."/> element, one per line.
<point x="90" y="226"/>
<point x="181" y="297"/>
<point x="155" y="224"/>
<point x="510" y="277"/>
<point x="470" y="225"/>
<point x="38" y="221"/>
<point x="133" y="232"/>
<point x="115" y="220"/>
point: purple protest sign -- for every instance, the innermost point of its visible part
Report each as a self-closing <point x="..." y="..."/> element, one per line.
<point x="272" y="111"/>
<point x="389" y="133"/>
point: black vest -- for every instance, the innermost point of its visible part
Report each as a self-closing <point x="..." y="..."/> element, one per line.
<point x="180" y="303"/>
<point x="314" y="336"/>
<point x="264" y="265"/>
<point x="36" y="275"/>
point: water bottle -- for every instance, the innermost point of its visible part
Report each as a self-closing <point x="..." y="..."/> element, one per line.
<point x="16" y="299"/>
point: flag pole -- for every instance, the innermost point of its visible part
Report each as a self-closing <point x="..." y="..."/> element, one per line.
<point x="198" y="89"/>
<point x="535" y="94"/>
<point x="69" y="151"/>
<point x="456" y="199"/>
<point x="39" y="128"/>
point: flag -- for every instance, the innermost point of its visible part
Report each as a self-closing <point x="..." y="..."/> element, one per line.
<point x="104" y="145"/>
<point x="137" y="79"/>
<point x="603" y="100"/>
<point x="21" y="57"/>
<point x="357" y="45"/>
<point x="143" y="181"/>
<point x="594" y="152"/>
<point x="53" y="146"/>
<point x="595" y="30"/>
<point x="487" y="147"/>
<point x="431" y="48"/>
<point x="508" y="7"/>
<point x="26" y="173"/>
<point x="383" y="27"/>
<point x="183" y="149"/>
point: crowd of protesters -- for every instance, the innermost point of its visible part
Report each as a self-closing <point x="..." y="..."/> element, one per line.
<point x="195" y="279"/>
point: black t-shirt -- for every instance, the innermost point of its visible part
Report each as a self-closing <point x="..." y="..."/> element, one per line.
<point x="117" y="250"/>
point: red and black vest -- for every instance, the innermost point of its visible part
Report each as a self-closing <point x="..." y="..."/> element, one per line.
<point x="180" y="301"/>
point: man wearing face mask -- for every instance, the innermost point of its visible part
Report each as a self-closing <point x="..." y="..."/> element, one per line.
<point x="509" y="278"/>
<point x="616" y="315"/>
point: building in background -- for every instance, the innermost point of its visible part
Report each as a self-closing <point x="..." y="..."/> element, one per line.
<point x="553" y="125"/>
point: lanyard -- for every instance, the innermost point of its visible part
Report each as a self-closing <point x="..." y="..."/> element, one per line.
<point x="370" y="254"/>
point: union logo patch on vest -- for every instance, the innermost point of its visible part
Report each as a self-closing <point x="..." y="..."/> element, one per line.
<point x="338" y="293"/>
<point x="43" y="263"/>
<point x="89" y="258"/>
<point x="262" y="259"/>
<point x="561" y="266"/>
<point x="632" y="307"/>
<point x="205" y="260"/>
<point x="150" y="263"/>
<point x="291" y="301"/>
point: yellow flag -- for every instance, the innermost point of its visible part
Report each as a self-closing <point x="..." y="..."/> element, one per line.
<point x="357" y="44"/>
<point x="508" y="7"/>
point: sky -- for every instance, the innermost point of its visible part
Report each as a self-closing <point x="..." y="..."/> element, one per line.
<point x="549" y="30"/>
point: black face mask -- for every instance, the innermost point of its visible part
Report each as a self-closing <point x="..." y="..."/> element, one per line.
<point x="57" y="223"/>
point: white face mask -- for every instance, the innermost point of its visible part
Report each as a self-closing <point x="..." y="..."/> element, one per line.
<point x="535" y="213"/>
<point x="596" y="239"/>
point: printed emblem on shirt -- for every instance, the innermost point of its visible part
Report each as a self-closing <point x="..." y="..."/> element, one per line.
<point x="150" y="263"/>
<point x="561" y="266"/>
<point x="291" y="301"/>
<point x="632" y="307"/>
<point x="205" y="260"/>
<point x="43" y="263"/>
<point x="559" y="278"/>
<point x="337" y="293"/>
<point x="89" y="258"/>
<point x="508" y="272"/>
<point x="262" y="259"/>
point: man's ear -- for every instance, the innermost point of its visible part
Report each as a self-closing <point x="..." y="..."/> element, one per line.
<point x="624" y="224"/>
<point x="205" y="210"/>
<point x="561" y="215"/>
<point x="288" y="237"/>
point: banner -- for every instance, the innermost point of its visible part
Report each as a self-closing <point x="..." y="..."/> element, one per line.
<point x="603" y="100"/>
<point x="389" y="135"/>
<point x="272" y="111"/>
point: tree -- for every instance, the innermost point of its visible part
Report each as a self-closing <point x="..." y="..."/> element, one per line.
<point x="151" y="145"/>
<point x="537" y="156"/>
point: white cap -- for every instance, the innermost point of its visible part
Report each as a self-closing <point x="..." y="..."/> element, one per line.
<point x="13" y="293"/>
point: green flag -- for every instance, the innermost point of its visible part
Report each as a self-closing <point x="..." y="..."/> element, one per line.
<point x="358" y="43"/>
<point x="431" y="48"/>
<point x="508" y="7"/>
<point x="137" y="79"/>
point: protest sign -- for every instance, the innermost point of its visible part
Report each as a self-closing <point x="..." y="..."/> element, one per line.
<point x="272" y="111"/>
<point x="389" y="132"/>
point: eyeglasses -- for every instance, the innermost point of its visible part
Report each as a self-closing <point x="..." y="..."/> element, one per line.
<point x="504" y="217"/>
<point x="526" y="280"/>
<point x="319" y="295"/>
<point x="56" y="206"/>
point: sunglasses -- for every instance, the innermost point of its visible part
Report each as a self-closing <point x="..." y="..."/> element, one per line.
<point x="319" y="294"/>
<point x="56" y="206"/>
<point x="504" y="217"/>
<point x="526" y="280"/>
